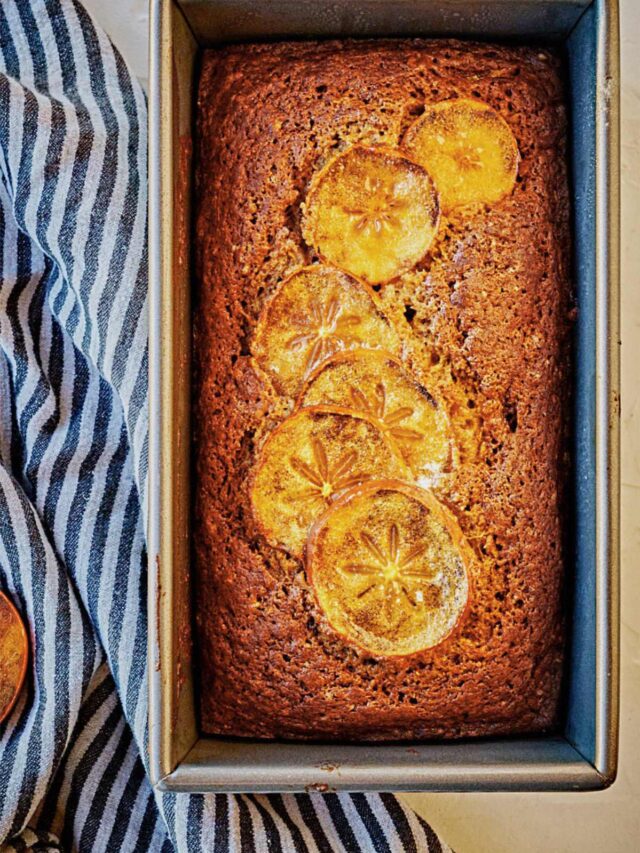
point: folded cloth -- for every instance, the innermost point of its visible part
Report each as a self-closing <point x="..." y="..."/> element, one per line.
<point x="73" y="466"/>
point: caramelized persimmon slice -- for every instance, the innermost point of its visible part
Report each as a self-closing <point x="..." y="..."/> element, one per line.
<point x="390" y="568"/>
<point x="315" y="312"/>
<point x="372" y="212"/>
<point x="310" y="459"/>
<point x="13" y="655"/>
<point x="374" y="382"/>
<point x="467" y="148"/>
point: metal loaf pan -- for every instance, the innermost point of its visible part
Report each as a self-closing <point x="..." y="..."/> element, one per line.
<point x="584" y="757"/>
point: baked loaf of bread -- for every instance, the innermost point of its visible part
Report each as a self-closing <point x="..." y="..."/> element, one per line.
<point x="382" y="317"/>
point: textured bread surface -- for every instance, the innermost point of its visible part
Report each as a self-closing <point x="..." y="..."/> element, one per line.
<point x="487" y="313"/>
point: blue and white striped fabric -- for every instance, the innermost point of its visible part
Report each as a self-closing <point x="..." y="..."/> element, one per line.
<point x="73" y="462"/>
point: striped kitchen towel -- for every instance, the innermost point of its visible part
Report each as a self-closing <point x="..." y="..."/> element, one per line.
<point x="73" y="464"/>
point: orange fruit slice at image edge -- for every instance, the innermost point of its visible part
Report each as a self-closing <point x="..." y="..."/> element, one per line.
<point x="315" y="312"/>
<point x="468" y="149"/>
<point x="372" y="212"/>
<point x="376" y="383"/>
<point x="307" y="462"/>
<point x="14" y="654"/>
<point x="390" y="568"/>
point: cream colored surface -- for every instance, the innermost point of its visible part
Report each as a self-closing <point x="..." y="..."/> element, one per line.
<point x="127" y="22"/>
<point x="608" y="821"/>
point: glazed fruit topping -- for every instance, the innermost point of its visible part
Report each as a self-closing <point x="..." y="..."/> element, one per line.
<point x="390" y="568"/>
<point x="308" y="461"/>
<point x="336" y="480"/>
<point x="326" y="479"/>
<point x="376" y="383"/>
<point x="314" y="313"/>
<point x="372" y="212"/>
<point x="381" y="209"/>
<point x="467" y="148"/>
<point x="324" y="330"/>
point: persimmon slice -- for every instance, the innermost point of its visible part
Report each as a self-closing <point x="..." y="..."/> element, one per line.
<point x="310" y="459"/>
<point x="14" y="650"/>
<point x="467" y="148"/>
<point x="374" y="382"/>
<point x="314" y="313"/>
<point x="372" y="212"/>
<point x="390" y="568"/>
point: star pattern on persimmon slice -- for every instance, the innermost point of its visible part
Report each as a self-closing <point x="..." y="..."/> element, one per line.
<point x="326" y="479"/>
<point x="467" y="157"/>
<point x="468" y="149"/>
<point x="376" y="384"/>
<point x="376" y="408"/>
<point x="372" y="212"/>
<point x="307" y="461"/>
<point x="381" y="211"/>
<point x="390" y="568"/>
<point x="316" y="312"/>
<point x="323" y="331"/>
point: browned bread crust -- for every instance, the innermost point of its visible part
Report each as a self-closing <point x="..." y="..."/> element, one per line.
<point x="488" y="312"/>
